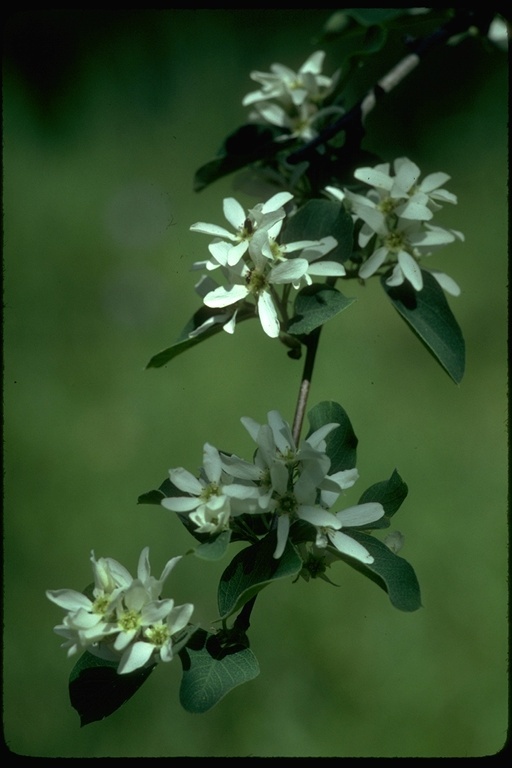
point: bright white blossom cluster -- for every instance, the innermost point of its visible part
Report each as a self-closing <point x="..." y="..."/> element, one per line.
<point x="125" y="619"/>
<point x="396" y="212"/>
<point x="256" y="266"/>
<point x="292" y="100"/>
<point x="285" y="481"/>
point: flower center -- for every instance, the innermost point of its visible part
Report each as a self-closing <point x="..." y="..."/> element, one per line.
<point x="256" y="281"/>
<point x="101" y="605"/>
<point x="395" y="241"/>
<point x="287" y="504"/>
<point x="212" y="489"/>
<point x="129" y="620"/>
<point x="158" y="634"/>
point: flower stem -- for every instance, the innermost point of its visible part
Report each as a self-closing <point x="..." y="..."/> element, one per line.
<point x="311" y="342"/>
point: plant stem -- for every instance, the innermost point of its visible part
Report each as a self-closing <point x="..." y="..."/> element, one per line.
<point x="311" y="343"/>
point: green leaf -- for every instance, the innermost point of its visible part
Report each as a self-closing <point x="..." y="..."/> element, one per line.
<point x="389" y="571"/>
<point x="314" y="305"/>
<point x="321" y="218"/>
<point x="247" y="144"/>
<point x="429" y="316"/>
<point x="214" y="548"/>
<point x="341" y="442"/>
<point x="96" y="690"/>
<point x="245" y="312"/>
<point x="211" y="670"/>
<point x="369" y="16"/>
<point x="390" y="493"/>
<point x="251" y="570"/>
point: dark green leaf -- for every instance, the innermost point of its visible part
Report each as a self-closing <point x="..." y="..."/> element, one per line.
<point x="390" y="493"/>
<point x="321" y="218"/>
<point x="251" y="570"/>
<point x="245" y="312"/>
<point x="428" y="314"/>
<point x="96" y="690"/>
<point x="341" y="442"/>
<point x="314" y="305"/>
<point x="247" y="144"/>
<point x="370" y="16"/>
<point x="389" y="571"/>
<point x="211" y="670"/>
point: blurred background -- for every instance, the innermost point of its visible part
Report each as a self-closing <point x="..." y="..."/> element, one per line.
<point x="106" y="118"/>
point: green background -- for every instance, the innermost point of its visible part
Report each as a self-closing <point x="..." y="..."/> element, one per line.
<point x="106" y="119"/>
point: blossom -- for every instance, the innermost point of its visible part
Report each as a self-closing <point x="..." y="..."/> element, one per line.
<point x="212" y="498"/>
<point x="293" y="88"/>
<point x="297" y="504"/>
<point x="362" y="514"/>
<point x="404" y="241"/>
<point x="403" y="193"/>
<point x="229" y="247"/>
<point x="118" y="621"/>
<point x="303" y="123"/>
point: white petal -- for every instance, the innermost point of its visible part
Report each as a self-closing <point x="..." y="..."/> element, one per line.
<point x="447" y="283"/>
<point x="223" y="297"/>
<point x="233" y="212"/>
<point x="374" y="177"/>
<point x="211" y="229"/>
<point x="135" y="657"/>
<point x="411" y="269"/>
<point x="289" y="270"/>
<point x="349" y="546"/>
<point x="276" y="201"/>
<point x="69" y="599"/>
<point x="283" y="526"/>
<point x="185" y="481"/>
<point x="328" y="268"/>
<point x="361" y="514"/>
<point x="211" y="462"/>
<point x="319" y="517"/>
<point x="434" y="181"/>
<point x="180" y="503"/>
<point x="375" y="261"/>
<point x="268" y="315"/>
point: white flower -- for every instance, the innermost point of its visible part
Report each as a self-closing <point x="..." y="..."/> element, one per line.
<point x="122" y="611"/>
<point x="303" y="123"/>
<point x="245" y="224"/>
<point x="402" y="193"/>
<point x="158" y="639"/>
<point x="356" y="516"/>
<point x="296" y="504"/>
<point x="212" y="498"/>
<point x="403" y="241"/>
<point x="293" y="88"/>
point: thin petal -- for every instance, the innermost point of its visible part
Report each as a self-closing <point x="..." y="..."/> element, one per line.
<point x="211" y="229"/>
<point x="411" y="269"/>
<point x="361" y="514"/>
<point x="349" y="546"/>
<point x="268" y="315"/>
<point x="233" y="212"/>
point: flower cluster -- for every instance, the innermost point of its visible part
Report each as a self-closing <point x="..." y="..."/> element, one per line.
<point x="292" y="100"/>
<point x="395" y="215"/>
<point x="256" y="266"/>
<point x="284" y="481"/>
<point x="124" y="619"/>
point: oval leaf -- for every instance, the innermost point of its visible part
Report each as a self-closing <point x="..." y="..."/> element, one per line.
<point x="210" y="671"/>
<point x="390" y="493"/>
<point x="314" y="305"/>
<point x="96" y="690"/>
<point x="389" y="571"/>
<point x="428" y="314"/>
<point x="321" y="218"/>
<point x="251" y="570"/>
<point x="341" y="442"/>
